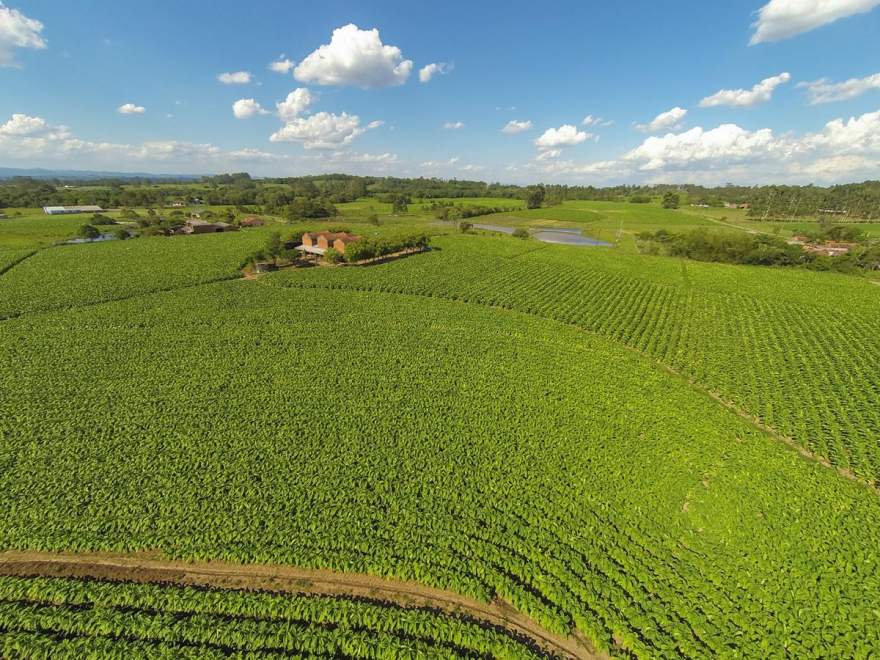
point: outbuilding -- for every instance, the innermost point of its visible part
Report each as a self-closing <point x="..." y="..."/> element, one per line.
<point x="65" y="210"/>
<point x="204" y="227"/>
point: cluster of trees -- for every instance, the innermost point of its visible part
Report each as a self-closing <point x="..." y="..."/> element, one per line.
<point x="307" y="207"/>
<point x="371" y="248"/>
<point x="756" y="250"/>
<point x="446" y="210"/>
<point x="854" y="200"/>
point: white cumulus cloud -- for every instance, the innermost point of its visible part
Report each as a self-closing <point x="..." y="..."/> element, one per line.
<point x="295" y="104"/>
<point x="434" y="68"/>
<point x="245" y="108"/>
<point x="20" y="124"/>
<point x="590" y="120"/>
<point x="453" y="125"/>
<point x="355" y="57"/>
<point x="824" y="91"/>
<point x="564" y="136"/>
<point x="781" y="19"/>
<point x="131" y="109"/>
<point x="743" y="98"/>
<point x="664" y="121"/>
<point x="17" y="31"/>
<point x="322" y="130"/>
<point x="516" y="126"/>
<point x="235" y="78"/>
<point x="722" y="144"/>
<point x="282" y="65"/>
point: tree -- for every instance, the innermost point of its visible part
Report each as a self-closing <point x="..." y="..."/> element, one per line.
<point x="89" y="232"/>
<point x="535" y="197"/>
<point x="465" y="227"/>
<point x="273" y="246"/>
<point x="332" y="256"/>
<point x="373" y="219"/>
<point x="670" y="200"/>
<point x="399" y="204"/>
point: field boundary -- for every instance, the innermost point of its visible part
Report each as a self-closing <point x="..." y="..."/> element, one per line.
<point x="152" y="568"/>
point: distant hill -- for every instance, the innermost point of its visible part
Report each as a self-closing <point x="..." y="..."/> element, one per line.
<point x="80" y="175"/>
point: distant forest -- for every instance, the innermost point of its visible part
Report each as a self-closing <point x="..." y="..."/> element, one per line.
<point x="849" y="201"/>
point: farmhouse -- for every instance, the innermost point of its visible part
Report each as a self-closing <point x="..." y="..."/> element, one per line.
<point x="735" y="205"/>
<point x="252" y="221"/>
<point x="64" y="210"/>
<point x="830" y="248"/>
<point x="205" y="227"/>
<point x="320" y="242"/>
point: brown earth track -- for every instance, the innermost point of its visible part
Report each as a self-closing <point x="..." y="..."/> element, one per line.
<point x="151" y="567"/>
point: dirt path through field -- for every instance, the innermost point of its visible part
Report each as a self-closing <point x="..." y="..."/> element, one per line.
<point x="148" y="567"/>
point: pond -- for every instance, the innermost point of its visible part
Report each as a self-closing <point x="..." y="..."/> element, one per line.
<point x="567" y="237"/>
<point x="562" y="236"/>
<point x="97" y="239"/>
<point x="498" y="228"/>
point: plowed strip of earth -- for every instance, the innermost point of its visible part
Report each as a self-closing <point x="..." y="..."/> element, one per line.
<point x="146" y="567"/>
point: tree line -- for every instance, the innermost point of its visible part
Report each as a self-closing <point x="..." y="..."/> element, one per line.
<point x="765" y="249"/>
<point x="847" y="201"/>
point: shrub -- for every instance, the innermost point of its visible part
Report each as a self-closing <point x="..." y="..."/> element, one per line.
<point x="519" y="232"/>
<point x="465" y="227"/>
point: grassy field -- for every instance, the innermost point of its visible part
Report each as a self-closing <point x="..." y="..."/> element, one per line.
<point x="568" y="430"/>
<point x="613" y="222"/>
<point x="34" y="229"/>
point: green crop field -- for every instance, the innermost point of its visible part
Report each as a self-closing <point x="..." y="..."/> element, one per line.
<point x="663" y="458"/>
<point x="34" y="229"/>
<point x="761" y="338"/>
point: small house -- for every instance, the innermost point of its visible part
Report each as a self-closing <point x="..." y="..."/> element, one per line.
<point x="320" y="242"/>
<point x="252" y="221"/>
<point x="342" y="241"/>
<point x="830" y="248"/>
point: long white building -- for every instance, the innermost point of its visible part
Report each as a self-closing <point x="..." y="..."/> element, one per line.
<point x="63" y="210"/>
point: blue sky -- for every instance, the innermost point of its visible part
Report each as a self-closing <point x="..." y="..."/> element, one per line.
<point x="648" y="73"/>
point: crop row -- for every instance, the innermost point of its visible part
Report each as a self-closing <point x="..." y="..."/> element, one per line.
<point x="244" y="621"/>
